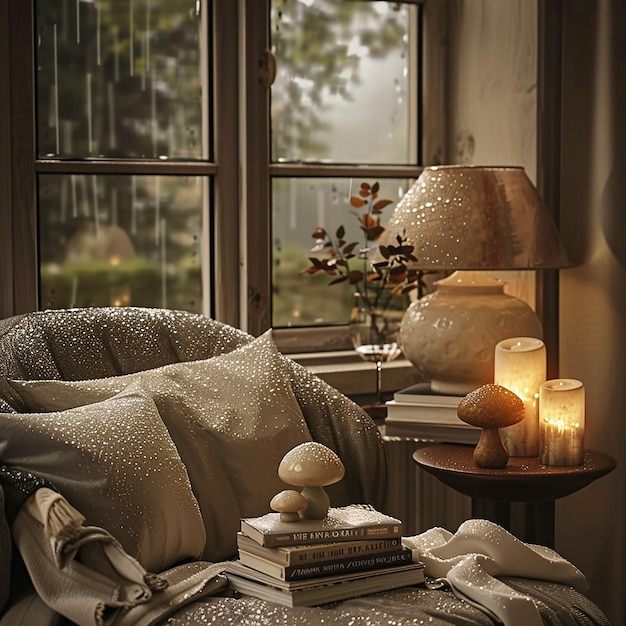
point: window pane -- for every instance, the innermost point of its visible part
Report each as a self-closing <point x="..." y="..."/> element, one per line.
<point x="343" y="86"/>
<point x="121" y="240"/>
<point x="299" y="206"/>
<point x="121" y="78"/>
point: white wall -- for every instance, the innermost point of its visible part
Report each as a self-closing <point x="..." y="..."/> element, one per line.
<point x="591" y="525"/>
<point x="493" y="94"/>
<point x="493" y="84"/>
<point x="492" y="70"/>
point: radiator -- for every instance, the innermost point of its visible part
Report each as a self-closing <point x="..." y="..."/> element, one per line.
<point x="419" y="499"/>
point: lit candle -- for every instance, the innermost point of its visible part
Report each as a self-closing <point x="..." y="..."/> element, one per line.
<point x="562" y="422"/>
<point x="520" y="366"/>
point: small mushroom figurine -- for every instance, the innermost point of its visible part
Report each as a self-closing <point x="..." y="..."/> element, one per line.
<point x="491" y="407"/>
<point x="289" y="503"/>
<point x="312" y="466"/>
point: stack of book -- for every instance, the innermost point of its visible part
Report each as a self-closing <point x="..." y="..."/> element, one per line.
<point x="354" y="551"/>
<point x="419" y="413"/>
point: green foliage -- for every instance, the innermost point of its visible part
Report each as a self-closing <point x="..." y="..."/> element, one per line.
<point x="300" y="300"/>
<point x="133" y="283"/>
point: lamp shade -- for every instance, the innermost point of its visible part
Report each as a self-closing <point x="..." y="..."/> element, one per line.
<point x="471" y="218"/>
<point x="475" y="217"/>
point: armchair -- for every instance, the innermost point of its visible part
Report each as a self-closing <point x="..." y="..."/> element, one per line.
<point x="85" y="371"/>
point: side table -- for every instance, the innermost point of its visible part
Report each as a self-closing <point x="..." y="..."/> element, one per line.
<point x="523" y="480"/>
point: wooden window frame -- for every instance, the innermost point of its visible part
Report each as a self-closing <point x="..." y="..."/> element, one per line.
<point x="240" y="266"/>
<point x="19" y="169"/>
<point x="258" y="172"/>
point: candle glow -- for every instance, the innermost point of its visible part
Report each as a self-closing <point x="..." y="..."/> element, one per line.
<point x="562" y="422"/>
<point x="520" y="366"/>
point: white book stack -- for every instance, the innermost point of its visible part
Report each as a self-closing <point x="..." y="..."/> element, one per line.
<point x="418" y="413"/>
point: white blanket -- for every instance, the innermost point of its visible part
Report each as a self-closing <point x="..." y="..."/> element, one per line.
<point x="469" y="560"/>
<point x="83" y="573"/>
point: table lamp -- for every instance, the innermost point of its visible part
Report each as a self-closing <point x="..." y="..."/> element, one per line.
<point x="470" y="219"/>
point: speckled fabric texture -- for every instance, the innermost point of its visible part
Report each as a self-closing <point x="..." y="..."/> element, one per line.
<point x="115" y="463"/>
<point x="81" y="344"/>
<point x="17" y="486"/>
<point x="410" y="606"/>
<point x="232" y="418"/>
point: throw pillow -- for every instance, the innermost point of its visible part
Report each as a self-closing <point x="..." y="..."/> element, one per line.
<point x="232" y="418"/>
<point x="115" y="462"/>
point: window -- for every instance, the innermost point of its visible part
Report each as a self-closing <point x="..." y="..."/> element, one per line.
<point x="122" y="81"/>
<point x="113" y="194"/>
<point x="345" y="108"/>
<point x="155" y="159"/>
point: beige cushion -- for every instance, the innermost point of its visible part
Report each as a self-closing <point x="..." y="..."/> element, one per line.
<point x="232" y="418"/>
<point x="115" y="462"/>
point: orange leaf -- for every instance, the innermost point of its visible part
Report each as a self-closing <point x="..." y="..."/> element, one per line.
<point x="367" y="221"/>
<point x="380" y="205"/>
<point x="356" y="202"/>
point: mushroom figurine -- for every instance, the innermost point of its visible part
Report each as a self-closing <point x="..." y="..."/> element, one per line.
<point x="491" y="407"/>
<point x="312" y="466"/>
<point x="289" y="503"/>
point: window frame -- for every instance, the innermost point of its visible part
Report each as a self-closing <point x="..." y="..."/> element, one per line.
<point x="19" y="261"/>
<point x="242" y="186"/>
<point x="242" y="173"/>
<point x="257" y="305"/>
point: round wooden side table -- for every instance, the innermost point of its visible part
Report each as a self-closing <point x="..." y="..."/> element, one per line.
<point x="523" y="480"/>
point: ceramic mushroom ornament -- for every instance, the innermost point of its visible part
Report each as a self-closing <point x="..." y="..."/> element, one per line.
<point x="289" y="503"/>
<point x="491" y="407"/>
<point x="312" y="466"/>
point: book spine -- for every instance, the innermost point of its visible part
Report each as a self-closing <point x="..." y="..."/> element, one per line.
<point x="435" y="432"/>
<point x="298" y="555"/>
<point x="345" y="566"/>
<point x="421" y="400"/>
<point x="274" y="540"/>
<point x="336" y="567"/>
<point x="435" y="414"/>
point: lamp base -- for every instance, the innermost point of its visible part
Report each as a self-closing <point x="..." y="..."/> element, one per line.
<point x="450" y="335"/>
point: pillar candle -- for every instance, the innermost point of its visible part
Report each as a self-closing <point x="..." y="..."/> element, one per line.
<point x="520" y="366"/>
<point x="562" y="422"/>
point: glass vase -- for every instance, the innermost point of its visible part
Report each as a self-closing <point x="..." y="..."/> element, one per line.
<point x="374" y="328"/>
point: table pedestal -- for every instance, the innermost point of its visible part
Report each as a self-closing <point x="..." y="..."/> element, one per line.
<point x="523" y="480"/>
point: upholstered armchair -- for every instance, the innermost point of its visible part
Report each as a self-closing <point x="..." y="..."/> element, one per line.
<point x="161" y="429"/>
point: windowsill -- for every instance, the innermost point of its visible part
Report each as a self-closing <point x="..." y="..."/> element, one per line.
<point x="355" y="378"/>
<point x="328" y="353"/>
